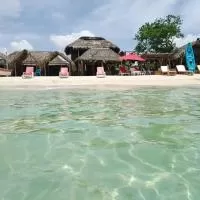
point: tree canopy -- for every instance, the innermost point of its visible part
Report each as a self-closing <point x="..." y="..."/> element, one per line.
<point x="159" y="35"/>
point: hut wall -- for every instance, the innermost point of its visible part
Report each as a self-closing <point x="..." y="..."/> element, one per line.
<point x="18" y="69"/>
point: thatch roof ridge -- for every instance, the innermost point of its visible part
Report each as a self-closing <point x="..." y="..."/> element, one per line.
<point x="30" y="59"/>
<point x="64" y="56"/>
<point x="39" y="58"/>
<point x="181" y="50"/>
<point x="16" y="56"/>
<point x="42" y="55"/>
<point x="60" y="59"/>
<point x="151" y="53"/>
<point x="155" y="55"/>
<point x="85" y="43"/>
<point x="196" y="42"/>
<point x="99" y="54"/>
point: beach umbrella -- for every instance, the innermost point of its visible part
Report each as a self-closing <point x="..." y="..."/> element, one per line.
<point x="132" y="57"/>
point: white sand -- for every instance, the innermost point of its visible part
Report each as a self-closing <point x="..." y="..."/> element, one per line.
<point x="93" y="81"/>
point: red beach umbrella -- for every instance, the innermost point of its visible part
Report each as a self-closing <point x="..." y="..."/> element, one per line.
<point x="132" y="57"/>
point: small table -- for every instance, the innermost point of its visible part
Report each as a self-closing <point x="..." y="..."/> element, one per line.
<point x="171" y="72"/>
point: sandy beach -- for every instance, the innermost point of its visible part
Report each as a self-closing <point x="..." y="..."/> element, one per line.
<point x="93" y="81"/>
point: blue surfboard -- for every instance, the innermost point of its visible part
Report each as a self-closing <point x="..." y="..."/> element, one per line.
<point x="190" y="59"/>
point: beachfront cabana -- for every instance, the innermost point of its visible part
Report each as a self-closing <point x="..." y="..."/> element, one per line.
<point x="153" y="61"/>
<point x="179" y="54"/>
<point x="80" y="46"/>
<point x="95" y="57"/>
<point x="19" y="60"/>
<point x="38" y="59"/>
<point x="60" y="60"/>
<point x="157" y="59"/>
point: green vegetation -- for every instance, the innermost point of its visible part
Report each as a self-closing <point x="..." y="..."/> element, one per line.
<point x="159" y="35"/>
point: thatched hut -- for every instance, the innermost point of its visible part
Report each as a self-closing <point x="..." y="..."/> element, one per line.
<point x="179" y="54"/>
<point x="78" y="47"/>
<point x="174" y="58"/>
<point x="96" y="57"/>
<point x="60" y="60"/>
<point x="155" y="60"/>
<point x="18" y="61"/>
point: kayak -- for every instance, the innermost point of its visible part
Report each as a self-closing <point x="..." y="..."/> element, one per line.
<point x="190" y="59"/>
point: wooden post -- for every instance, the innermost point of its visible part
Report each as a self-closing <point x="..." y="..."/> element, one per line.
<point x="78" y="70"/>
<point x="81" y="68"/>
<point x="162" y="61"/>
<point x="181" y="60"/>
<point x="15" y="69"/>
<point x="44" y="66"/>
<point x="169" y="62"/>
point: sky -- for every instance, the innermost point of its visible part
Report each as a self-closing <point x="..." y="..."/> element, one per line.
<point x="51" y="25"/>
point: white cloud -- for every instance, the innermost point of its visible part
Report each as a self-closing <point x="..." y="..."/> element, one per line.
<point x="116" y="20"/>
<point x="119" y="21"/>
<point x="61" y="41"/>
<point x="20" y="45"/>
<point x="188" y="38"/>
<point x="10" y="8"/>
<point x="122" y="19"/>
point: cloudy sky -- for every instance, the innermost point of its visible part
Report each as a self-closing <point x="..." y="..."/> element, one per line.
<point x="50" y="24"/>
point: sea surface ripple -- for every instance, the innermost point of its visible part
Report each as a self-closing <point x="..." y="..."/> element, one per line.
<point x="141" y="143"/>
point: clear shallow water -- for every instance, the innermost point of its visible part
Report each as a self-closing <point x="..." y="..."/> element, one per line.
<point x="137" y="144"/>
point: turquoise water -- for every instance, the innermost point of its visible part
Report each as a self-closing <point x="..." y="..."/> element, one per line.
<point x="101" y="145"/>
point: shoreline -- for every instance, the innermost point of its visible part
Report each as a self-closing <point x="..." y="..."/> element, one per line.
<point x="87" y="82"/>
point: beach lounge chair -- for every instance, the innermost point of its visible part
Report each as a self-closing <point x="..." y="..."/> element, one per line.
<point x="64" y="73"/>
<point x="29" y="73"/>
<point x="123" y="71"/>
<point x="181" y="70"/>
<point x="100" y="72"/>
<point x="165" y="70"/>
<point x="198" y="67"/>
